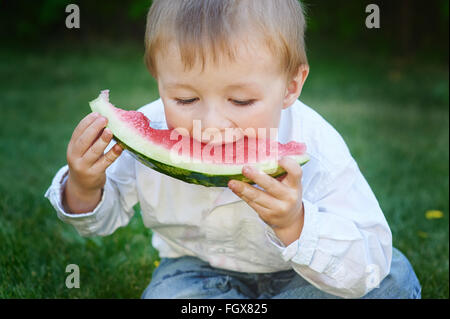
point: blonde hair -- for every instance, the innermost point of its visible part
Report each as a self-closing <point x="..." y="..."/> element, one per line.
<point x="203" y="27"/>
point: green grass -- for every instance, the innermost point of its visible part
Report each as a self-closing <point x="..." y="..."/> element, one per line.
<point x="393" y="114"/>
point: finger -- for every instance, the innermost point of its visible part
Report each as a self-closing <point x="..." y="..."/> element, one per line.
<point x="270" y="184"/>
<point x="98" y="148"/>
<point x="253" y="194"/>
<point x="86" y="139"/>
<point x="84" y="123"/>
<point x="107" y="159"/>
<point x="293" y="170"/>
<point x="262" y="211"/>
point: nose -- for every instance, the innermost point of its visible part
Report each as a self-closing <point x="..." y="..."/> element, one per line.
<point x="213" y="119"/>
<point x="216" y="128"/>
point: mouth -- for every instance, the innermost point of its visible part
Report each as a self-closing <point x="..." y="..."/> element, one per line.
<point x="215" y="137"/>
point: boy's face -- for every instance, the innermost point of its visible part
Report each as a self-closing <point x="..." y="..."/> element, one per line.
<point x="246" y="94"/>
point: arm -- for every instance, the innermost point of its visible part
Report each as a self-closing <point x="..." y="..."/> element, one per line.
<point x="345" y="247"/>
<point x="83" y="193"/>
<point x="340" y="242"/>
<point x="77" y="201"/>
<point x="115" y="207"/>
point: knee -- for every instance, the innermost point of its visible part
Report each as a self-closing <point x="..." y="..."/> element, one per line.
<point x="170" y="285"/>
<point x="160" y="291"/>
<point x="170" y="278"/>
<point x="185" y="277"/>
<point x="188" y="287"/>
<point x="402" y="280"/>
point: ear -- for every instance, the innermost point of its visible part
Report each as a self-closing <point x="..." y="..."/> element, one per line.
<point x="295" y="85"/>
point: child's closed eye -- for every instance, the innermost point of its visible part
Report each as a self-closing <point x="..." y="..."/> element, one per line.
<point x="243" y="103"/>
<point x="236" y="102"/>
<point x="181" y="101"/>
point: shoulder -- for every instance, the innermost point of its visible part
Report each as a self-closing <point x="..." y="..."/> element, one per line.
<point x="324" y="144"/>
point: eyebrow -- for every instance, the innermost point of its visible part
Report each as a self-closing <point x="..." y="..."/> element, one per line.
<point x="232" y="86"/>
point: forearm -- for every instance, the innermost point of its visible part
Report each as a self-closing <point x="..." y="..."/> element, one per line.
<point x="357" y="251"/>
<point x="112" y="208"/>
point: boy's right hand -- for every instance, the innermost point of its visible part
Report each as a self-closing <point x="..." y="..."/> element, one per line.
<point x="88" y="163"/>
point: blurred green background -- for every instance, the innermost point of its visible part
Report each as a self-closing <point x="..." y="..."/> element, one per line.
<point x="385" y="90"/>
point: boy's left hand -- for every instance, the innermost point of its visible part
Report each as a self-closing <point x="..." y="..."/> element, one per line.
<point x="280" y="205"/>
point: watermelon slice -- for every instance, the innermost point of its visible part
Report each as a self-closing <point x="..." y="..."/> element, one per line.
<point x="187" y="159"/>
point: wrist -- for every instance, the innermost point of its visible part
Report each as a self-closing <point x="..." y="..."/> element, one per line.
<point x="78" y="200"/>
<point x="291" y="233"/>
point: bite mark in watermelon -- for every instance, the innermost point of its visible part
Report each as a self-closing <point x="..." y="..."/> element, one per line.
<point x="209" y="165"/>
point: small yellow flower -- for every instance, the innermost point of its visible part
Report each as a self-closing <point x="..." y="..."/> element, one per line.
<point x="156" y="263"/>
<point x="434" y="214"/>
<point x="422" y="234"/>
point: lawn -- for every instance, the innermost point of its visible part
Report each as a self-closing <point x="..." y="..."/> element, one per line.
<point x="393" y="114"/>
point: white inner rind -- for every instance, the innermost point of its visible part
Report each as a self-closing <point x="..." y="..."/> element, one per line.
<point x="127" y="134"/>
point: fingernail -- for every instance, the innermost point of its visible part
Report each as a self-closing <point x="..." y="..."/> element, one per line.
<point x="103" y="119"/>
<point x="107" y="133"/>
<point x="247" y="169"/>
<point x="117" y="149"/>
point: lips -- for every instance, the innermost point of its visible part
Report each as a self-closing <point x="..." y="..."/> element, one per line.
<point x="217" y="137"/>
<point x="214" y="136"/>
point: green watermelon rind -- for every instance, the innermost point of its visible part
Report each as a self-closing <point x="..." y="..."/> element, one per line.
<point x="192" y="177"/>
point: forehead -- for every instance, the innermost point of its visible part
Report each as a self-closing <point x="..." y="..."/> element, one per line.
<point x="251" y="60"/>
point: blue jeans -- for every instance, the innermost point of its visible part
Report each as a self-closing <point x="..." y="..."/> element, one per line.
<point x="190" y="277"/>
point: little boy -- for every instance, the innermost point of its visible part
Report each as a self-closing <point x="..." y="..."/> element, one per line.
<point x="318" y="232"/>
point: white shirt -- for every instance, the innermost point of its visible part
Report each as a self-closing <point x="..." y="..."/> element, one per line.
<point x="345" y="240"/>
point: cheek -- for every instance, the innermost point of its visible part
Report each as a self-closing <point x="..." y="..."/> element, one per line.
<point x="258" y="122"/>
<point x="175" y="118"/>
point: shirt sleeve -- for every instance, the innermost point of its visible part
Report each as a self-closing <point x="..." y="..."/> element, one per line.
<point x="115" y="208"/>
<point x="345" y="247"/>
